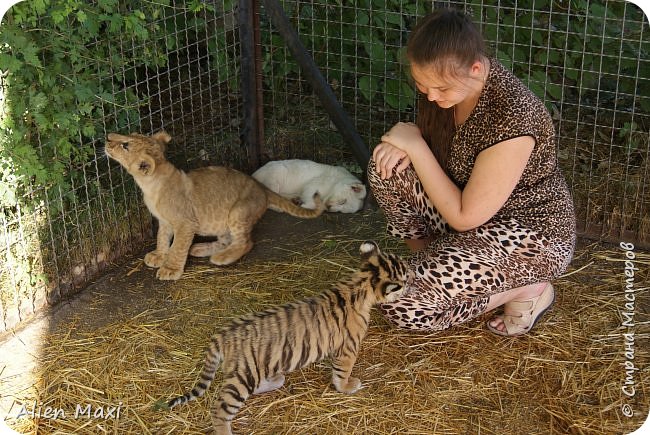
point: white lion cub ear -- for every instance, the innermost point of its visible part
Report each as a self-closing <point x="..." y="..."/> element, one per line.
<point x="368" y="248"/>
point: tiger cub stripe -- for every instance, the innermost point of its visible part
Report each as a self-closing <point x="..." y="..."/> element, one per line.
<point x="255" y="351"/>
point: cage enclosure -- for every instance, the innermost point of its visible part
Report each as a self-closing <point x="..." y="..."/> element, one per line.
<point x="237" y="89"/>
<point x="240" y="83"/>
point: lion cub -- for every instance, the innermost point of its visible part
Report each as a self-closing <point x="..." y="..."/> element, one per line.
<point x="211" y="201"/>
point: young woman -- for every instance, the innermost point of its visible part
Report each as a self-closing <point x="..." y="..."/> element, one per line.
<point x="474" y="187"/>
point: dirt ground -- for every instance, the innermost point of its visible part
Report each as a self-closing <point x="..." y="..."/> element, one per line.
<point x="565" y="377"/>
<point x="278" y="237"/>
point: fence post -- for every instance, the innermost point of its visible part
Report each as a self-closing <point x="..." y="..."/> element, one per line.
<point x="322" y="89"/>
<point x="252" y="130"/>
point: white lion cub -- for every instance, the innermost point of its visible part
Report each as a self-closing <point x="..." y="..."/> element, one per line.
<point x="300" y="179"/>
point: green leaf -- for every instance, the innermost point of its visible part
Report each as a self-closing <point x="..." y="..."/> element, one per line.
<point x="30" y="54"/>
<point x="537" y="89"/>
<point x="10" y="63"/>
<point x="195" y="6"/>
<point x="555" y="91"/>
<point x="504" y="59"/>
<point x="597" y="10"/>
<point x="571" y="73"/>
<point x="368" y="86"/>
<point x="395" y="18"/>
<point x="114" y="23"/>
<point x="376" y="51"/>
<point x="398" y="94"/>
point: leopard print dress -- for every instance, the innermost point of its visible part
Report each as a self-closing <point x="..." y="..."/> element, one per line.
<point x="530" y="239"/>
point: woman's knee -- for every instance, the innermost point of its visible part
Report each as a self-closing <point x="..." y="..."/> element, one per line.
<point x="374" y="180"/>
<point x="399" y="186"/>
<point x="418" y="315"/>
<point x="415" y="319"/>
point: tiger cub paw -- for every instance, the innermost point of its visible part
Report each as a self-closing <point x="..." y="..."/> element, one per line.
<point x="154" y="259"/>
<point x="168" y="274"/>
<point x="351" y="386"/>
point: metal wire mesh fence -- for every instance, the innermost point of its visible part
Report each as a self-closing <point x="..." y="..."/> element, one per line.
<point x="176" y="65"/>
<point x="587" y="60"/>
<point x="178" y="72"/>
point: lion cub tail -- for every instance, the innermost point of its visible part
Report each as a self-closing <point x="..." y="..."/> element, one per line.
<point x="282" y="204"/>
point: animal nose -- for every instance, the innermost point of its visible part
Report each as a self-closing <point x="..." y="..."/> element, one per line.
<point x="410" y="277"/>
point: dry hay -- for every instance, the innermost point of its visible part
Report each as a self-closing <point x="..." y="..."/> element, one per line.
<point x="564" y="377"/>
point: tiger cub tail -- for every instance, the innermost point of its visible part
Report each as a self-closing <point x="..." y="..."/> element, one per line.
<point x="213" y="360"/>
<point x="282" y="204"/>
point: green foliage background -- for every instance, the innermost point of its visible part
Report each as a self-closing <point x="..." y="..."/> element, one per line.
<point x="61" y="68"/>
<point x="581" y="51"/>
<point x="71" y="70"/>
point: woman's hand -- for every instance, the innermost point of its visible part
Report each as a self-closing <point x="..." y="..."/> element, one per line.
<point x="387" y="157"/>
<point x="394" y="151"/>
<point x="406" y="136"/>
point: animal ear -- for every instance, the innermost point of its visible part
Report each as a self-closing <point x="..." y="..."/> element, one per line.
<point x="392" y="292"/>
<point x="115" y="137"/>
<point x="162" y="138"/>
<point x="358" y="188"/>
<point x="146" y="165"/>
<point x="392" y="288"/>
<point x="368" y="248"/>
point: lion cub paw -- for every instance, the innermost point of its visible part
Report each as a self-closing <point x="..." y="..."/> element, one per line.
<point x="168" y="274"/>
<point x="351" y="386"/>
<point x="154" y="259"/>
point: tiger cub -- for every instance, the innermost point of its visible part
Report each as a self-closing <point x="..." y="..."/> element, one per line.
<point x="257" y="350"/>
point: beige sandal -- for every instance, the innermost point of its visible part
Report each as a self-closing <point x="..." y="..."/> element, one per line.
<point x="519" y="317"/>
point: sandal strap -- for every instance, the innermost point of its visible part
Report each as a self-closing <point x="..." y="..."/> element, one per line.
<point x="518" y="312"/>
<point x="521" y="306"/>
<point x="521" y="320"/>
<point x="518" y="315"/>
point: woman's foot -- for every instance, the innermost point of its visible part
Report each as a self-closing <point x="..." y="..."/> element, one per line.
<point x="519" y="316"/>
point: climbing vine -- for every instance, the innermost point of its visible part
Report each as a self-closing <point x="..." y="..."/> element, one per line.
<point x="67" y="67"/>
